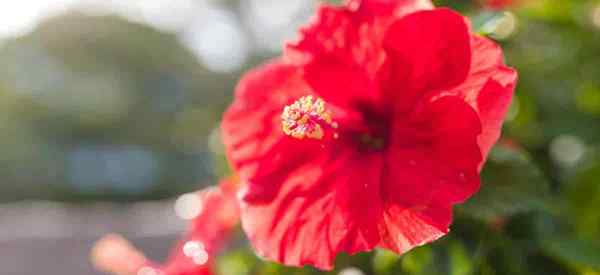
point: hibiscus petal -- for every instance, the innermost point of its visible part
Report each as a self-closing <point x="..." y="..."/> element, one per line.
<point x="330" y="32"/>
<point x="340" y="53"/>
<point x="181" y="264"/>
<point x="324" y="207"/>
<point x="427" y="50"/>
<point x="208" y="232"/>
<point x="251" y="126"/>
<point x="434" y="153"/>
<point x="341" y="84"/>
<point x="489" y="88"/>
<point x="116" y="255"/>
<point x="431" y="164"/>
<point x="487" y="62"/>
<point x="493" y="103"/>
<point x="406" y="228"/>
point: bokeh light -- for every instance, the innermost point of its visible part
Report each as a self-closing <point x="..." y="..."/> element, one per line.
<point x="188" y="206"/>
<point x="567" y="150"/>
<point x="351" y="271"/>
<point x="595" y="15"/>
<point x="218" y="40"/>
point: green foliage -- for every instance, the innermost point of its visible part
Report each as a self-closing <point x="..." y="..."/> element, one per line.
<point x="588" y="99"/>
<point x="239" y="262"/>
<point x="419" y="262"/>
<point x="511" y="184"/>
<point x="583" y="193"/>
<point x="460" y="261"/>
<point x="576" y="252"/>
<point x="384" y="262"/>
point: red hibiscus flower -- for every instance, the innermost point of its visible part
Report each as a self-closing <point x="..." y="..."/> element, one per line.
<point x="366" y="132"/>
<point x="193" y="253"/>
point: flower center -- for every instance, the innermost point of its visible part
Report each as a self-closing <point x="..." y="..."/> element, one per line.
<point x="374" y="137"/>
<point x="371" y="142"/>
<point x="307" y="118"/>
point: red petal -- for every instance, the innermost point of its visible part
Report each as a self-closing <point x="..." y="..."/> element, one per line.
<point x="212" y="228"/>
<point x="180" y="264"/>
<point x="324" y="207"/>
<point x="116" y="255"/>
<point x="341" y="84"/>
<point x="220" y="213"/>
<point x="251" y="126"/>
<point x="428" y="50"/>
<point x="435" y="154"/>
<point x="487" y="62"/>
<point x="493" y="103"/>
<point x="406" y="228"/>
<point x="489" y="88"/>
<point x="341" y="52"/>
<point x="431" y="164"/>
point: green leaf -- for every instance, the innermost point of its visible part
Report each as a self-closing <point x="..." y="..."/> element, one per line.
<point x="511" y="184"/>
<point x="576" y="252"/>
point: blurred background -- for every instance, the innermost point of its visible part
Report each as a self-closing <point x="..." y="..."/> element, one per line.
<point x="109" y="112"/>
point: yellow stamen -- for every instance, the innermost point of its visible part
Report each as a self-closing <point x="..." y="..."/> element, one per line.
<point x="307" y="118"/>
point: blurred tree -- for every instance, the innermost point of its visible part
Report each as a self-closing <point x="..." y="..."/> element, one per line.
<point x="104" y="85"/>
